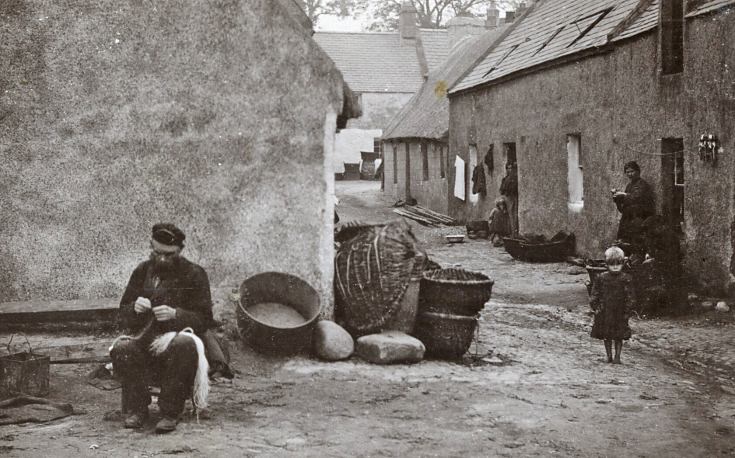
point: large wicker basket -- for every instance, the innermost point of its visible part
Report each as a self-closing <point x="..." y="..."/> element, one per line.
<point x="444" y="335"/>
<point x="373" y="266"/>
<point x="454" y="291"/>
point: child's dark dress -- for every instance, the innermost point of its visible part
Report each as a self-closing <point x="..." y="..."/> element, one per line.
<point x="612" y="298"/>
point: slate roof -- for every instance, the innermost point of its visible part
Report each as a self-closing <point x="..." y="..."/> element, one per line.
<point x="711" y="6"/>
<point x="436" y="47"/>
<point x="551" y="29"/>
<point x="647" y="20"/>
<point x="378" y="62"/>
<point x="426" y="115"/>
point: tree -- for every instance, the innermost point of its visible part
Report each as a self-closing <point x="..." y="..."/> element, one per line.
<point x="316" y="8"/>
<point x="385" y="13"/>
<point x="431" y="13"/>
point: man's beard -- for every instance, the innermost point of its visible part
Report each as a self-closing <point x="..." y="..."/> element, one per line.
<point x="162" y="265"/>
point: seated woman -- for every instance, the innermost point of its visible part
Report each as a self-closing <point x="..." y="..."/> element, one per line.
<point x="499" y="222"/>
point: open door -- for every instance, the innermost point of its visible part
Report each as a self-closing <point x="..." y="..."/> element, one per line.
<point x="672" y="182"/>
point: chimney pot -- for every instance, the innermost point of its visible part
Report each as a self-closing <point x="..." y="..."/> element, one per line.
<point x="407" y="21"/>
<point x="493" y="16"/>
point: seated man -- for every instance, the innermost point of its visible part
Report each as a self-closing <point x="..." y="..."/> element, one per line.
<point x="165" y="293"/>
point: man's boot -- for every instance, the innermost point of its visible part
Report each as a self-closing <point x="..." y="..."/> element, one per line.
<point x="135" y="420"/>
<point x="166" y="424"/>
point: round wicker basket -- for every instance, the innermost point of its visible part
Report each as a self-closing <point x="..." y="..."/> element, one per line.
<point x="454" y="291"/>
<point x="445" y="336"/>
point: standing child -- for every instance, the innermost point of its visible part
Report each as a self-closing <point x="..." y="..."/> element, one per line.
<point x="611" y="300"/>
<point x="499" y="222"/>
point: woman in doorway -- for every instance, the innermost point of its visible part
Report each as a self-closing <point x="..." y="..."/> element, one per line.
<point x="509" y="191"/>
<point x="635" y="204"/>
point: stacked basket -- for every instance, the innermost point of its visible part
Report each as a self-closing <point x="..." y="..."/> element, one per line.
<point x="450" y="301"/>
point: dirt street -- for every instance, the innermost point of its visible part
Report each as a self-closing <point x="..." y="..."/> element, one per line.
<point x="546" y="392"/>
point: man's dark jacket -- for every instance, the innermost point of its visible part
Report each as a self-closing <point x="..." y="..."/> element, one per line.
<point x="185" y="288"/>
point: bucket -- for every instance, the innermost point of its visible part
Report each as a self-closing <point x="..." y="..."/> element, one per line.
<point x="278" y="291"/>
<point x="24" y="373"/>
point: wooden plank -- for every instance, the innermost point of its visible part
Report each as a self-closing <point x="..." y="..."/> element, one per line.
<point x="79" y="310"/>
<point x="414" y="217"/>
<point x="438" y="216"/>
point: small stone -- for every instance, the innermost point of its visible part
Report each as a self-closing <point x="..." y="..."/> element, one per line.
<point x="493" y="360"/>
<point x="707" y="304"/>
<point x="332" y="342"/>
<point x="575" y="270"/>
<point x="722" y="307"/>
<point x="390" y="347"/>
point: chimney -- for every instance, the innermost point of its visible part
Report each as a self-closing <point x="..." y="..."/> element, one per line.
<point x="509" y="16"/>
<point x="407" y="21"/>
<point x="521" y="9"/>
<point x="462" y="26"/>
<point x="493" y="16"/>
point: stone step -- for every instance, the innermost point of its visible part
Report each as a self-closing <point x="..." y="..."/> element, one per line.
<point x="48" y="312"/>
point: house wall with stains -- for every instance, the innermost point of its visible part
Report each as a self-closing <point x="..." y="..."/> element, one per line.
<point x="219" y="117"/>
<point x="430" y="189"/>
<point x="621" y="108"/>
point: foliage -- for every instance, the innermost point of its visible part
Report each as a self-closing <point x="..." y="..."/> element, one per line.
<point x="385" y="13"/>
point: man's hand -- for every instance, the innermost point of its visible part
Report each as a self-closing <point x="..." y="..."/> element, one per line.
<point x="620" y="194"/>
<point x="142" y="305"/>
<point x="164" y="313"/>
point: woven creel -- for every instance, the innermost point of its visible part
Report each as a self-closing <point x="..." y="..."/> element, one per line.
<point x="454" y="291"/>
<point x="373" y="267"/>
<point x="444" y="335"/>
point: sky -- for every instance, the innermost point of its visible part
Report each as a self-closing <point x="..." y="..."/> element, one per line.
<point x="333" y="23"/>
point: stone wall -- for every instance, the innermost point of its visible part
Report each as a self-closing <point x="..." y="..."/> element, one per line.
<point x="430" y="193"/>
<point x="114" y="115"/>
<point x="378" y="109"/>
<point x="621" y="108"/>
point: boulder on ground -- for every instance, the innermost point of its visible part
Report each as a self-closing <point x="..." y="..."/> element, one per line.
<point x="722" y="307"/>
<point x="332" y="342"/>
<point x="390" y="347"/>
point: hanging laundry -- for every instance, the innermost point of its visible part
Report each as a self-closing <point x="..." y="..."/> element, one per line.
<point x="478" y="180"/>
<point x="459" y="174"/>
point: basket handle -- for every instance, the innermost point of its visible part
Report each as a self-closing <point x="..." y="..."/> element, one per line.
<point x="30" y="349"/>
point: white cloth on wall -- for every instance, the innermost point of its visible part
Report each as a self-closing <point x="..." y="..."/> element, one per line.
<point x="459" y="178"/>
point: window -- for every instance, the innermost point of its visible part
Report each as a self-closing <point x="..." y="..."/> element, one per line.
<point x="548" y="40"/>
<point x="425" y="160"/>
<point x="395" y="163"/>
<point x="587" y="23"/>
<point x="376" y="144"/>
<point x="575" y="173"/>
<point x="500" y="61"/>
<point x="442" y="165"/>
<point x="672" y="36"/>
<point x="473" y="198"/>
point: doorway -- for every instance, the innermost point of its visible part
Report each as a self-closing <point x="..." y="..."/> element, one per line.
<point x="472" y="197"/>
<point x="672" y="182"/>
